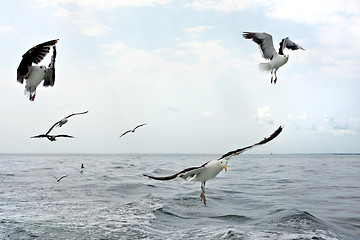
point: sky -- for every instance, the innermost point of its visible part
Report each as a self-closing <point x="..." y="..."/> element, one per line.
<point x="183" y="68"/>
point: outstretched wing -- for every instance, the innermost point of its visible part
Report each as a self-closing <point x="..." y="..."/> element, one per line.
<point x="287" y="43"/>
<point x="39" y="136"/>
<point x="55" y="124"/>
<point x="33" y="55"/>
<point x="265" y="42"/>
<point x="49" y="79"/>
<point x="184" y="174"/>
<point x="76" y="114"/>
<point x="125" y="133"/>
<point x="241" y="150"/>
<point x="139" y="126"/>
<point x="63" y="135"/>
<point x="62" y="177"/>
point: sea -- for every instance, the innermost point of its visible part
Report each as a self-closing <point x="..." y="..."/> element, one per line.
<point x="315" y="196"/>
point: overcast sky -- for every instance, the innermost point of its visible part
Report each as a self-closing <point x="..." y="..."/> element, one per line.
<point x="183" y="68"/>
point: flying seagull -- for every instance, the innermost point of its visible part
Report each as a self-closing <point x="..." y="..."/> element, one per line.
<point x="52" y="137"/>
<point x="59" y="179"/>
<point x="212" y="168"/>
<point x="59" y="124"/>
<point x="34" y="74"/>
<point x="265" y="42"/>
<point x="133" y="130"/>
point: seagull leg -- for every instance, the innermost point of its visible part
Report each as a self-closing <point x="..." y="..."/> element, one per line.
<point x="272" y="75"/>
<point x="202" y="195"/>
<point x="275" y="77"/>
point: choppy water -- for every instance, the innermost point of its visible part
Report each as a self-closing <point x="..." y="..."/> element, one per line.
<point x="260" y="197"/>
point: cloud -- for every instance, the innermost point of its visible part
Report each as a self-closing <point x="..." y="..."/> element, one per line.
<point x="351" y="127"/>
<point x="335" y="124"/>
<point x="61" y="12"/>
<point x="5" y="28"/>
<point x="301" y="116"/>
<point x="313" y="12"/>
<point x="108" y="4"/>
<point x="198" y="29"/>
<point x="206" y="114"/>
<point x="203" y="61"/>
<point x="113" y="48"/>
<point x="222" y="5"/>
<point x="94" y="29"/>
<point x="173" y="109"/>
<point x="264" y="116"/>
<point x="336" y="24"/>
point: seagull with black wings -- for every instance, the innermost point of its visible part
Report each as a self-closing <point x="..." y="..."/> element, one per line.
<point x="34" y="74"/>
<point x="133" y="130"/>
<point x="59" y="124"/>
<point x="211" y="169"/>
<point x="265" y="42"/>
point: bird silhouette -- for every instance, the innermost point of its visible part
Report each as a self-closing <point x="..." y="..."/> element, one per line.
<point x="133" y="130"/>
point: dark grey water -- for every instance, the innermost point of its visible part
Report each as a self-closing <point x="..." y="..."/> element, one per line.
<point x="260" y="197"/>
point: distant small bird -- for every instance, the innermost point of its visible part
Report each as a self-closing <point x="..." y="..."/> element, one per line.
<point x="133" y="130"/>
<point x="211" y="169"/>
<point x="52" y="137"/>
<point x="34" y="74"/>
<point x="265" y="42"/>
<point x="59" y="179"/>
<point x="82" y="168"/>
<point x="59" y="124"/>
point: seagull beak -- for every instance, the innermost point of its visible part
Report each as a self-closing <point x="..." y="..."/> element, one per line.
<point x="225" y="168"/>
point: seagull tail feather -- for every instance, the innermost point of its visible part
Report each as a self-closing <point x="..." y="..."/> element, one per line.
<point x="265" y="67"/>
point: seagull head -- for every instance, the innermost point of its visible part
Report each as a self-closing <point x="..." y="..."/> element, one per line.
<point x="42" y="67"/>
<point x="223" y="163"/>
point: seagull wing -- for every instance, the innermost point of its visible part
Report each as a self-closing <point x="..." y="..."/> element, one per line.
<point x="50" y="71"/>
<point x="184" y="174"/>
<point x="125" y="133"/>
<point x="57" y="123"/>
<point x="52" y="127"/>
<point x="76" y="114"/>
<point x="241" y="150"/>
<point x="265" y="42"/>
<point x="33" y="55"/>
<point x="287" y="43"/>
<point x="139" y="126"/>
<point x="62" y="177"/>
<point x="39" y="136"/>
<point x="63" y="135"/>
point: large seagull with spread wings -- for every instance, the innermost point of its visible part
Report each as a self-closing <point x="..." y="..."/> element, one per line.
<point x="211" y="169"/>
<point x="34" y="74"/>
<point x="265" y="42"/>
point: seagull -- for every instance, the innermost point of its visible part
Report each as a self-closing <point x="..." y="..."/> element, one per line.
<point x="52" y="137"/>
<point x="211" y="169"/>
<point x="34" y="74"/>
<point x="59" y="179"/>
<point x="133" y="130"/>
<point x="265" y="42"/>
<point x="82" y="168"/>
<point x="59" y="124"/>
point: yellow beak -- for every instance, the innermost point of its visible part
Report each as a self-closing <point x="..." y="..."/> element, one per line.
<point x="225" y="168"/>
